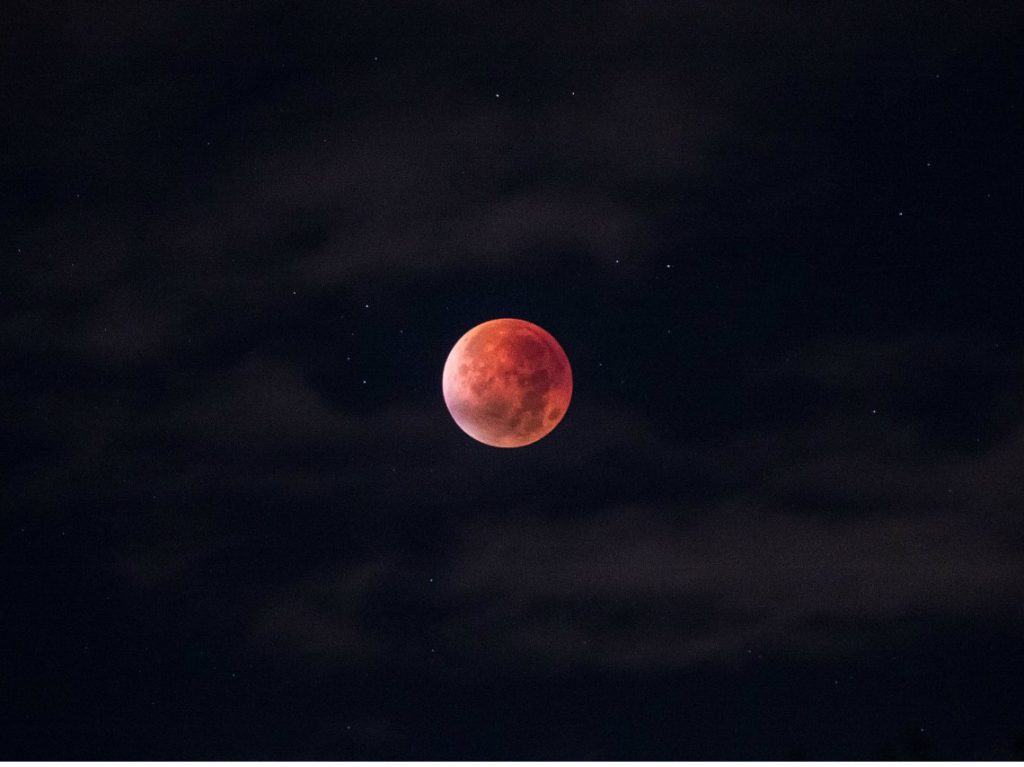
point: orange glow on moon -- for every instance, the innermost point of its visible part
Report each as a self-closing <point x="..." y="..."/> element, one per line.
<point x="507" y="383"/>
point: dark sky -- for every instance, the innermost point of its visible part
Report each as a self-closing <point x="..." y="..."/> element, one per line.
<point x="781" y="245"/>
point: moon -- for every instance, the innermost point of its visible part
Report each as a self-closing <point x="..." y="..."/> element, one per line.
<point x="507" y="383"/>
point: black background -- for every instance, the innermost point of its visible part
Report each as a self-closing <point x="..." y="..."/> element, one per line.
<point x="781" y="246"/>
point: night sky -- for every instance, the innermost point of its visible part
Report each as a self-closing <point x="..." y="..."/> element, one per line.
<point x="782" y="246"/>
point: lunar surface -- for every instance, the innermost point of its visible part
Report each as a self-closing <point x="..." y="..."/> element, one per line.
<point x="507" y="383"/>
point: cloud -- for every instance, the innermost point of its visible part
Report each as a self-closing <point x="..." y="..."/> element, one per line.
<point x="810" y="536"/>
<point x="660" y="588"/>
<point x="184" y="316"/>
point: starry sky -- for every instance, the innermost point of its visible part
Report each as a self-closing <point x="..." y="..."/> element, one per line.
<point x="781" y="246"/>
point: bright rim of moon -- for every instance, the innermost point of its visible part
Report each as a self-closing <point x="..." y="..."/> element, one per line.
<point x="507" y="383"/>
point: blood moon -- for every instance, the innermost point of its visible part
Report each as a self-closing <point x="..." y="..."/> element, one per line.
<point x="507" y="383"/>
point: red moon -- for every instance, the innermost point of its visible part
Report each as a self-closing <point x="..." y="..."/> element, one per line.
<point x="507" y="383"/>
